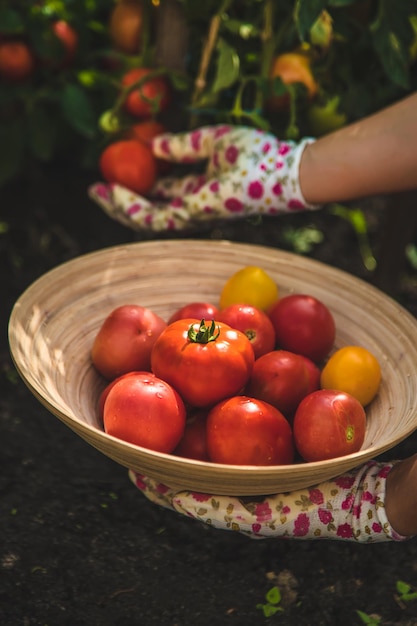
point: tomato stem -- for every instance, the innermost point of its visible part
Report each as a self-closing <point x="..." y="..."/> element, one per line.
<point x="204" y="334"/>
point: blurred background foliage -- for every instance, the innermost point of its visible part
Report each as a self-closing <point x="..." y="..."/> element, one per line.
<point x="297" y="68"/>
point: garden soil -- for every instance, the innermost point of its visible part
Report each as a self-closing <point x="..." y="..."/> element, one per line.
<point x="80" y="546"/>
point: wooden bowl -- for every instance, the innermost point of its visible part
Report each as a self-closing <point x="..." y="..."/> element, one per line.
<point x="54" y="322"/>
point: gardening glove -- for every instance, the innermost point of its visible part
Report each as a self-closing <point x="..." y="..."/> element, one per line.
<point x="248" y="172"/>
<point x="350" y="508"/>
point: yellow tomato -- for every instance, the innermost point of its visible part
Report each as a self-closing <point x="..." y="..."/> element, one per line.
<point x="354" y="370"/>
<point x="250" y="285"/>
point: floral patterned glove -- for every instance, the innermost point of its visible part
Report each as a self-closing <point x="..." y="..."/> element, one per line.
<point x="350" y="507"/>
<point x="248" y="172"/>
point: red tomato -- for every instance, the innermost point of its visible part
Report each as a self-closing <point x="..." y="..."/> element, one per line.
<point x="329" y="424"/>
<point x="145" y="131"/>
<point x="125" y="340"/>
<point x="195" y="310"/>
<point x="68" y="37"/>
<point x="314" y="374"/>
<point x="17" y="62"/>
<point x="129" y="163"/>
<point x="204" y="363"/>
<point x="193" y="444"/>
<point x="303" y="324"/>
<point x="145" y="411"/>
<point x="103" y="396"/>
<point x="126" y="26"/>
<point x="246" y="431"/>
<point x="153" y="96"/>
<point x="280" y="378"/>
<point x="254" y="323"/>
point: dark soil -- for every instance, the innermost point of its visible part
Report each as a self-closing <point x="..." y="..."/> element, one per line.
<point x="80" y="546"/>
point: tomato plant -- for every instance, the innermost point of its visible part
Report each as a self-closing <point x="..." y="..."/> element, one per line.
<point x="196" y="310"/>
<point x="246" y="431"/>
<point x="145" y="411"/>
<point x="254" y="323"/>
<point x="17" y="61"/>
<point x="355" y="370"/>
<point x="129" y="163"/>
<point x="205" y="363"/>
<point x="151" y="96"/>
<point x="249" y="285"/>
<point x="280" y="378"/>
<point x="328" y="424"/>
<point x="124" y="341"/>
<point x="305" y="325"/>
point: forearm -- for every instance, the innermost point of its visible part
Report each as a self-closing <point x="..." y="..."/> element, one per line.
<point x="376" y="155"/>
<point x="401" y="496"/>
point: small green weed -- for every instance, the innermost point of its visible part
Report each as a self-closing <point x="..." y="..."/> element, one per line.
<point x="405" y="592"/>
<point x="303" y="240"/>
<point x="273" y="599"/>
<point x="370" y="620"/>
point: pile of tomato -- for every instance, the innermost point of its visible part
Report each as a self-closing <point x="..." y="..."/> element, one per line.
<point x="255" y="379"/>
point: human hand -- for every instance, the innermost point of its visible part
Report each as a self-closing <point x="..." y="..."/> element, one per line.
<point x="349" y="507"/>
<point x="248" y="172"/>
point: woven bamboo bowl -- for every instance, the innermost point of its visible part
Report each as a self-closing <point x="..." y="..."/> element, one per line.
<point x="54" y="322"/>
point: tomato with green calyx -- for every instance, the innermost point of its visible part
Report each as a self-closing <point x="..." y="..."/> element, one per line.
<point x="291" y="67"/>
<point x="151" y="96"/>
<point x="205" y="363"/>
<point x="250" y="285"/>
<point x="327" y="117"/>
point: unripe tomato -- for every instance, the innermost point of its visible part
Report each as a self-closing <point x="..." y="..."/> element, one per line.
<point x="129" y="163"/>
<point x="17" y="62"/>
<point x="249" y="285"/>
<point x="355" y="370"/>
<point x="126" y="26"/>
<point x="291" y="67"/>
<point x="325" y="118"/>
<point x="152" y="97"/>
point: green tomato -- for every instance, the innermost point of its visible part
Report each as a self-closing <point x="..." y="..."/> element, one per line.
<point x="324" y="118"/>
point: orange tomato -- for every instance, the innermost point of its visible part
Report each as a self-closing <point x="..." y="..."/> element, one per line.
<point x="17" y="62"/>
<point x="354" y="370"/>
<point x="152" y="97"/>
<point x="129" y="163"/>
<point x="291" y="67"/>
<point x="145" y="131"/>
<point x="126" y="25"/>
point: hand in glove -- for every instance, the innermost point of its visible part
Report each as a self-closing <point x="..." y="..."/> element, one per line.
<point x="248" y="172"/>
<point x="350" y="507"/>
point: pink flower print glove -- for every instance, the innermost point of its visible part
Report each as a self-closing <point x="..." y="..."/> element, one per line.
<point x="349" y="508"/>
<point x="248" y="172"/>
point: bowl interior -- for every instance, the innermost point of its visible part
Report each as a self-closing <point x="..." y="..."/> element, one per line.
<point x="54" y="322"/>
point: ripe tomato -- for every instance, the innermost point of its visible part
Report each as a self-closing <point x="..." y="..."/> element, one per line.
<point x="280" y="378"/>
<point x="246" y="431"/>
<point x="17" y="62"/>
<point x="193" y="444"/>
<point x="126" y="26"/>
<point x="195" y="310"/>
<point x="145" y="411"/>
<point x="153" y="96"/>
<point x="355" y="370"/>
<point x="125" y="340"/>
<point x="129" y="163"/>
<point x="145" y="131"/>
<point x="254" y="323"/>
<point x="249" y="285"/>
<point x="291" y="67"/>
<point x="328" y="424"/>
<point x="103" y="396"/>
<point x="204" y="363"/>
<point x="314" y="374"/>
<point x="68" y="36"/>
<point x="303" y="324"/>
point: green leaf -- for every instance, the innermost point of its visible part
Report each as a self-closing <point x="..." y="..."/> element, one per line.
<point x="228" y="65"/>
<point x="11" y="22"/>
<point x="306" y="13"/>
<point x="41" y="133"/>
<point x="390" y="30"/>
<point x="77" y="110"/>
<point x="273" y="596"/>
<point x="402" y="587"/>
